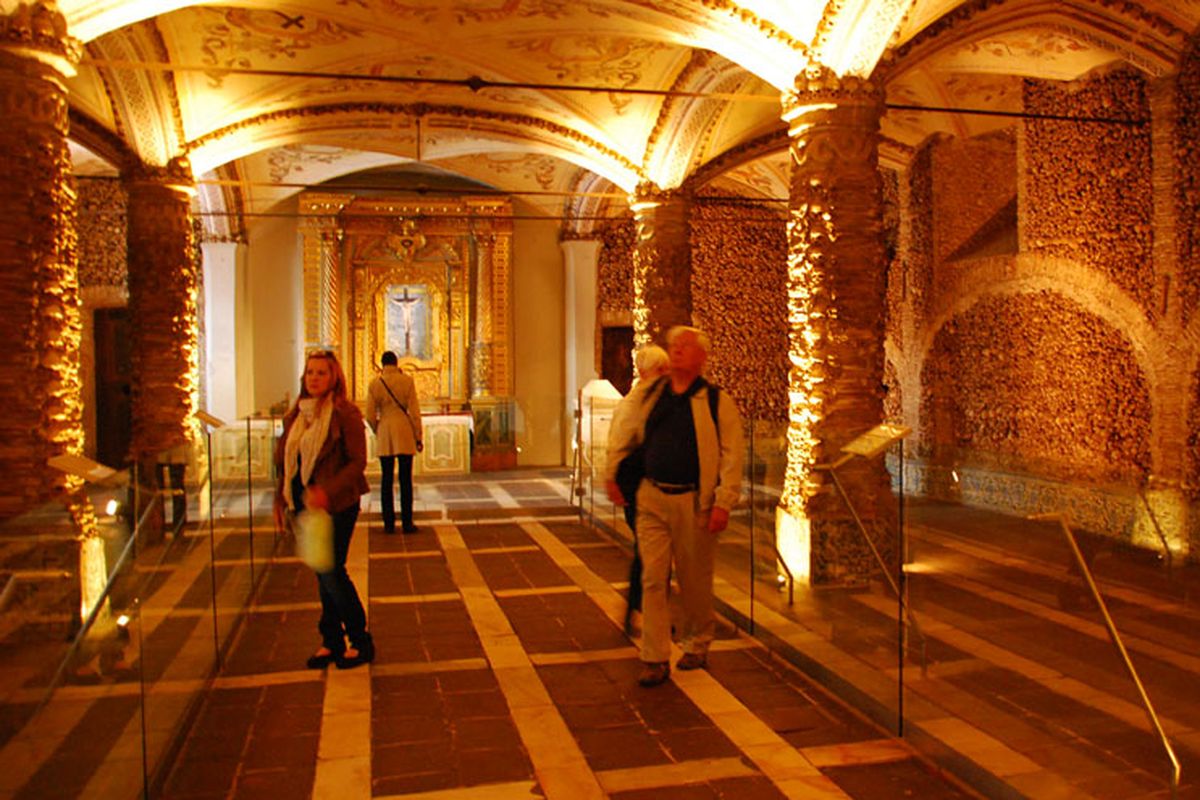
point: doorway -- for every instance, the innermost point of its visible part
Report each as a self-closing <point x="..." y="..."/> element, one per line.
<point x="114" y="373"/>
<point x="616" y="357"/>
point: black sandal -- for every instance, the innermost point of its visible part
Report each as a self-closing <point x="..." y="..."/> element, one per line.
<point x="363" y="654"/>
<point x="319" y="660"/>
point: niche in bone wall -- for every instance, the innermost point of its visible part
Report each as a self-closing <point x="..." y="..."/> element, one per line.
<point x="1192" y="466"/>
<point x="916" y="258"/>
<point x="974" y="200"/>
<point x="893" y="400"/>
<point x="739" y="296"/>
<point x="614" y="268"/>
<point x="1187" y="177"/>
<point x="892" y="248"/>
<point x="1089" y="195"/>
<point x="1034" y="383"/>
<point x="101" y="226"/>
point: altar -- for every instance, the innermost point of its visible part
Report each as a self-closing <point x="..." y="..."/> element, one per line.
<point x="447" y="446"/>
<point x="429" y="280"/>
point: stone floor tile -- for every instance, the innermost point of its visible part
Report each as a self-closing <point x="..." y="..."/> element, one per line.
<point x="432" y="781"/>
<point x="693" y="791"/>
<point x="755" y="788"/>
<point x="475" y="705"/>
<point x="599" y="715"/>
<point x="299" y="693"/>
<point x="295" y="781"/>
<point x="484" y="733"/>
<point x="409" y="758"/>
<point x="905" y="778"/>
<point x="208" y="775"/>
<point x="467" y="681"/>
<point x="619" y="747"/>
<point x="493" y="765"/>
<point x="696" y="743"/>
<point x="280" y="752"/>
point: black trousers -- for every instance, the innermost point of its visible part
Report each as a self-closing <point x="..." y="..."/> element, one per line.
<point x="635" y="567"/>
<point x="387" y="495"/>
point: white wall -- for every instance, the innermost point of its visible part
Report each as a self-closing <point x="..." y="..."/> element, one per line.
<point x="221" y="275"/>
<point x="271" y="337"/>
<point x="538" y="332"/>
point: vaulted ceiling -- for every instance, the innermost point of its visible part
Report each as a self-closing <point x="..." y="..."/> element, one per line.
<point x="559" y="98"/>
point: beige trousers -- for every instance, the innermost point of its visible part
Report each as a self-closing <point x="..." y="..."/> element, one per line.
<point x="671" y="527"/>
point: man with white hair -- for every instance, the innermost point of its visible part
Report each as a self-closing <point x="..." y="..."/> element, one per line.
<point x="690" y="435"/>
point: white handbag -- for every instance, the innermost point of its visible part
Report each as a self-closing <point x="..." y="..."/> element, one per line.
<point x="314" y="539"/>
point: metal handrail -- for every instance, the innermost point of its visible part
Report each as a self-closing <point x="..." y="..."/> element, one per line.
<point x="1162" y="537"/>
<point x="1086" y="571"/>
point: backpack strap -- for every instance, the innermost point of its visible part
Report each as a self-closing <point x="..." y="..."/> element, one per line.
<point x="714" y="401"/>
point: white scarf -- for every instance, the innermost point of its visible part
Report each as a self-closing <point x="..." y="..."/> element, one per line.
<point x="305" y="439"/>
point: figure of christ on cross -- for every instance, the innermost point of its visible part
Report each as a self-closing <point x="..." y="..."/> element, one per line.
<point x="407" y="304"/>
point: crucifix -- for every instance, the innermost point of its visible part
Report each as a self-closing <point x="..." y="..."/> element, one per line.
<point x="406" y="304"/>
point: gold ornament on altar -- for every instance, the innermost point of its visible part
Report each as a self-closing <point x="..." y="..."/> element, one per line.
<point x="407" y="241"/>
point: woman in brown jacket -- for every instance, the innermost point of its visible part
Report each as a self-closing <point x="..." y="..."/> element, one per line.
<point x="320" y="460"/>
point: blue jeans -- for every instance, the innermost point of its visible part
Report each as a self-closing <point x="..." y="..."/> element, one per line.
<point x="342" y="613"/>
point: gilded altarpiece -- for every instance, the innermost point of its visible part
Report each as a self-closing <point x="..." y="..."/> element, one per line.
<point x="429" y="280"/>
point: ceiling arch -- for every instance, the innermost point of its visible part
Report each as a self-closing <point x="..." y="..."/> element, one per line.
<point x="419" y="132"/>
<point x="546" y="95"/>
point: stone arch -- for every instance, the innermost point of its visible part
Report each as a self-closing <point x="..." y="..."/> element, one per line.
<point x="1029" y="379"/>
<point x="1156" y="357"/>
<point x="686" y="122"/>
<point x="1143" y="39"/>
<point x="1029" y="272"/>
<point x="393" y="129"/>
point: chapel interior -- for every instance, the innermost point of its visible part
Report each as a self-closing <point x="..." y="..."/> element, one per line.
<point x="947" y="253"/>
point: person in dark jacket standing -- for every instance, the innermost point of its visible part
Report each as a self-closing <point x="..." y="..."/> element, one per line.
<point x="320" y="460"/>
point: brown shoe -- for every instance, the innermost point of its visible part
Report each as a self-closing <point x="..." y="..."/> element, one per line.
<point x="692" y="661"/>
<point x="654" y="673"/>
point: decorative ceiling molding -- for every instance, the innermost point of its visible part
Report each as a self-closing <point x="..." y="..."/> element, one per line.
<point x="100" y="140"/>
<point x="144" y="102"/>
<point x="570" y="144"/>
<point x="1127" y="30"/>
<point x="220" y="206"/>
<point x="589" y="204"/>
<point x="763" y="146"/>
<point x="853" y="34"/>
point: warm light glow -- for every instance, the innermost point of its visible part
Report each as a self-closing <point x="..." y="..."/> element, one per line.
<point x="856" y="35"/>
<point x="93" y="574"/>
<point x="122" y="620"/>
<point x="773" y="60"/>
<point x="111" y="507"/>
<point x="793" y="542"/>
<point x="809" y="232"/>
<point x="793" y="112"/>
<point x="1163" y="520"/>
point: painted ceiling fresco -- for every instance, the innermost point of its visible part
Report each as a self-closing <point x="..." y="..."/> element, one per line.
<point x="545" y="97"/>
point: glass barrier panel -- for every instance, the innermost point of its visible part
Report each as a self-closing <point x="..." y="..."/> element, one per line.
<point x="46" y="554"/>
<point x="835" y="592"/>
<point x="171" y="630"/>
<point x="1019" y="647"/>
